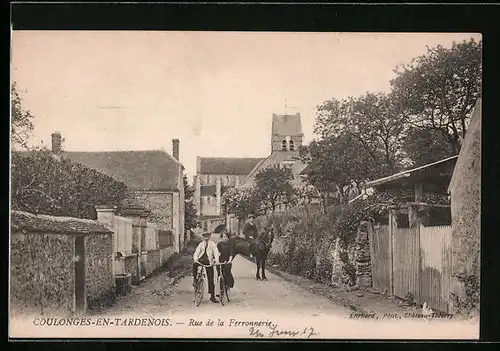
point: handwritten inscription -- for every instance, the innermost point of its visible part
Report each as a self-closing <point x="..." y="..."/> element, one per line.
<point x="306" y="333"/>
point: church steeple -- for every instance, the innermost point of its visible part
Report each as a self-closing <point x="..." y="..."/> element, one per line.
<point x="286" y="133"/>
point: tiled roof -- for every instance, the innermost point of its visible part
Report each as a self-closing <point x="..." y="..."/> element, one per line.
<point x="227" y="165"/>
<point x="139" y="170"/>
<point x="287" y="125"/>
<point x="275" y="158"/>
<point x="51" y="224"/>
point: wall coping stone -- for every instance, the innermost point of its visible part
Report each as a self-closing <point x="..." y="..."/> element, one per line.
<point x="25" y="221"/>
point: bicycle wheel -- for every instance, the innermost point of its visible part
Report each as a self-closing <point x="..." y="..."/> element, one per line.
<point x="198" y="292"/>
<point x="224" y="297"/>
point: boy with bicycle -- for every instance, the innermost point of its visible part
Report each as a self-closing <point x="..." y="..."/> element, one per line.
<point x="226" y="251"/>
<point x="207" y="254"/>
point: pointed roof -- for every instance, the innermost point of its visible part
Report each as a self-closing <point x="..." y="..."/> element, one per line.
<point x="275" y="158"/>
<point x="287" y="125"/>
<point x="226" y="165"/>
<point x="138" y="170"/>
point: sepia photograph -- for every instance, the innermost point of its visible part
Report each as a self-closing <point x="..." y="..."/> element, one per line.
<point x="245" y="185"/>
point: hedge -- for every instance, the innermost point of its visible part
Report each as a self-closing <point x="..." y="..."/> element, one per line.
<point x="43" y="184"/>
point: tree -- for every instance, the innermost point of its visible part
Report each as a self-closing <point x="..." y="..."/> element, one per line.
<point x="438" y="90"/>
<point x="21" y="120"/>
<point x="190" y="213"/>
<point x="274" y="187"/>
<point x="371" y="122"/>
<point x="43" y="184"/>
<point x="240" y="202"/>
<point x="335" y="163"/>
<point x="423" y="146"/>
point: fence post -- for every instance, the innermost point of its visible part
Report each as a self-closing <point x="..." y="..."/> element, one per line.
<point x="105" y="215"/>
<point x="392" y="223"/>
<point x="414" y="224"/>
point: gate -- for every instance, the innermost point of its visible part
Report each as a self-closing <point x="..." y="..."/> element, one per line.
<point x="435" y="252"/>
<point x="406" y="262"/>
<point x="381" y="260"/>
<point x="409" y="258"/>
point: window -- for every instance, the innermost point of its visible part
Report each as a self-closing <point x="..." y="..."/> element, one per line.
<point x="292" y="146"/>
<point x="227" y="180"/>
<point x="208" y="199"/>
<point x="208" y="179"/>
<point x="283" y="145"/>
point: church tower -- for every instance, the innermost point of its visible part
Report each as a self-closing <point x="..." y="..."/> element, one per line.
<point x="286" y="133"/>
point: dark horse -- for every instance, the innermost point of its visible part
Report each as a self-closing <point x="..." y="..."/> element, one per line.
<point x="258" y="247"/>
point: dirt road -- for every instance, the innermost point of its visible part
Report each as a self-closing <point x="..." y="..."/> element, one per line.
<point x="258" y="309"/>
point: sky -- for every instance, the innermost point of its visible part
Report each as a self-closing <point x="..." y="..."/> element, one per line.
<point x="214" y="91"/>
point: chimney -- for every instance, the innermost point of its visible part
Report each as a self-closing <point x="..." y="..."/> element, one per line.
<point x="175" y="148"/>
<point x="56" y="142"/>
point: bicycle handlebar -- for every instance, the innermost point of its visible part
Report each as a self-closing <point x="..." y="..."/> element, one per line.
<point x="213" y="264"/>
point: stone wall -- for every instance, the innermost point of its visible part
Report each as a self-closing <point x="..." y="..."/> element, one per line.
<point x="41" y="272"/>
<point x="465" y="191"/>
<point x="362" y="257"/>
<point x="165" y="254"/>
<point x="130" y="263"/>
<point x="343" y="265"/>
<point x="161" y="206"/>
<point x="43" y="262"/>
<point x="100" y="282"/>
<point x="154" y="261"/>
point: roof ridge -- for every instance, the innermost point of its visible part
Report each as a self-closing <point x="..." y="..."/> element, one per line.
<point x="115" y="151"/>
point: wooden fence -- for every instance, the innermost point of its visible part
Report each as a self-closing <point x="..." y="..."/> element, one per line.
<point x="412" y="261"/>
<point x="123" y="237"/>
<point x="435" y="255"/>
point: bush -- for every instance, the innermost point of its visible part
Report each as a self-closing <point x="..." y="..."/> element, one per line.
<point x="45" y="185"/>
<point x="472" y="295"/>
<point x="311" y="233"/>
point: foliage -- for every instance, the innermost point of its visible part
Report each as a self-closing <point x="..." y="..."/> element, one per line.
<point x="21" y="120"/>
<point x="190" y="213"/>
<point x="240" y="202"/>
<point x="335" y="163"/>
<point x="421" y="120"/>
<point x="438" y="90"/>
<point x="43" y="184"/>
<point x="372" y="122"/>
<point x="472" y="294"/>
<point x="274" y="187"/>
<point x="423" y="146"/>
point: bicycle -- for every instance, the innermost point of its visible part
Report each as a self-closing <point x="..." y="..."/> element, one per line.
<point x="200" y="281"/>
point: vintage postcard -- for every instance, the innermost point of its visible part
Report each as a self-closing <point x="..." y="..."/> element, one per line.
<point x="247" y="185"/>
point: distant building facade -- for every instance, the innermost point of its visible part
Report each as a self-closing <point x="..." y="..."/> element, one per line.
<point x="154" y="178"/>
<point x="215" y="175"/>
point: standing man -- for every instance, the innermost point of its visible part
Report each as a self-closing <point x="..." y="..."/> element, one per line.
<point x="206" y="253"/>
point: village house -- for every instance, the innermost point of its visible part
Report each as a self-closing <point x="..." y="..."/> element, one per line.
<point x="154" y="179"/>
<point x="214" y="176"/>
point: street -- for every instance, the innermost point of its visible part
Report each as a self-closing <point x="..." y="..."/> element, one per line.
<point x="258" y="309"/>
